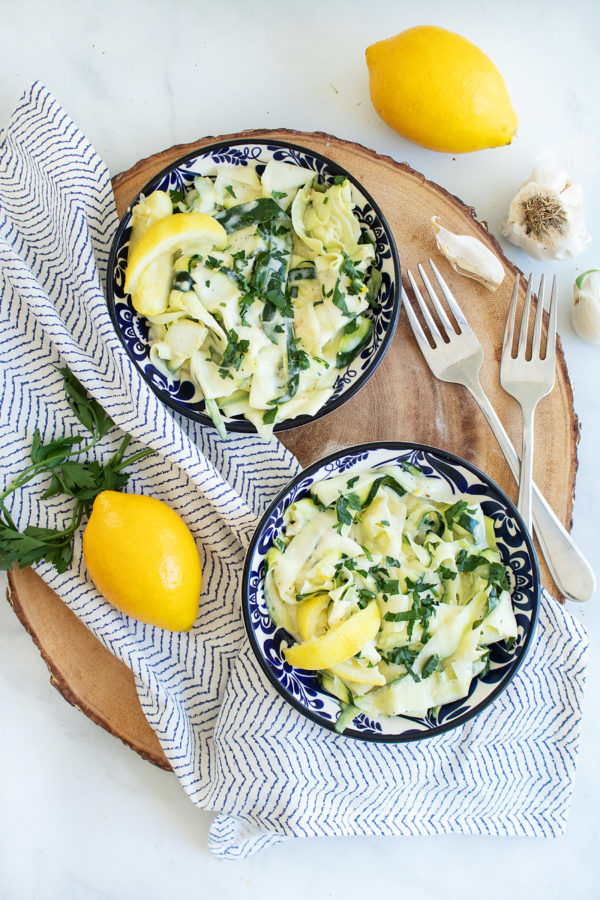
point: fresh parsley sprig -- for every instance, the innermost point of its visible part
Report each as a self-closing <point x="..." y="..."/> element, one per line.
<point x="81" y="479"/>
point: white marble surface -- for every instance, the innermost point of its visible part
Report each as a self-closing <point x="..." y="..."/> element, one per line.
<point x="81" y="815"/>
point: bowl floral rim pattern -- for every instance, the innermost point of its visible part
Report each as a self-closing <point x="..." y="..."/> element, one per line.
<point x="301" y="689"/>
<point x="128" y="323"/>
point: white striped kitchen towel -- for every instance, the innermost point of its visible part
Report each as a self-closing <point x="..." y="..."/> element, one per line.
<point x="236" y="747"/>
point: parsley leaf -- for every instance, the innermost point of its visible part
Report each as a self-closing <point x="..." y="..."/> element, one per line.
<point x="344" y="516"/>
<point x="430" y="666"/>
<point x="88" y="411"/>
<point x="459" y="513"/>
<point x="493" y="600"/>
<point x="496" y="573"/>
<point x="388" y="481"/>
<point x="270" y="415"/>
<point x="339" y="299"/>
<point x="455" y="511"/>
<point x="234" y="354"/>
<point x="408" y="615"/>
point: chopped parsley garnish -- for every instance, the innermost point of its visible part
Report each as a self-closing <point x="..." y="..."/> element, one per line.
<point x="408" y="615"/>
<point x="234" y="354"/>
<point x="496" y="573"/>
<point x="390" y="586"/>
<point x="431" y="666"/>
<point x="339" y="299"/>
<point x="244" y="304"/>
<point x="424" y="603"/>
<point x="270" y="415"/>
<point x="403" y="656"/>
<point x="183" y="281"/>
<point x="493" y="599"/>
<point x="343" y="505"/>
<point x="446" y="574"/>
<point x="459" y="513"/>
<point x="388" y="481"/>
<point x="374" y="282"/>
<point x="355" y="278"/>
<point x="196" y="258"/>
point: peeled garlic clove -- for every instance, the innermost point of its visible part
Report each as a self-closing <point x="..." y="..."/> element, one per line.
<point x="585" y="312"/>
<point x="546" y="216"/>
<point x="468" y="256"/>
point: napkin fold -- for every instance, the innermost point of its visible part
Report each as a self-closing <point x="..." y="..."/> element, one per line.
<point x="233" y="742"/>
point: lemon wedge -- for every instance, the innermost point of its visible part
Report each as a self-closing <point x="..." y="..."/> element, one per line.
<point x="354" y="672"/>
<point x="184" y="232"/>
<point x="308" y="614"/>
<point x="338" y="644"/>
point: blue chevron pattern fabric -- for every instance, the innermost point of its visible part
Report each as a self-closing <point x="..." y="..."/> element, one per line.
<point x="235" y="745"/>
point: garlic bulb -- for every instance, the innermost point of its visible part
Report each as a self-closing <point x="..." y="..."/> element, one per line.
<point x="468" y="256"/>
<point x="546" y="215"/>
<point x="585" y="312"/>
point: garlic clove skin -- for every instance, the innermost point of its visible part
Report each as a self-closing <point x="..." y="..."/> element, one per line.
<point x="585" y="312"/>
<point x="546" y="216"/>
<point x="469" y="256"/>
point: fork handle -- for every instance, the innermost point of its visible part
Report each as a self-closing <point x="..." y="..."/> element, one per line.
<point x="524" y="502"/>
<point x="569" y="567"/>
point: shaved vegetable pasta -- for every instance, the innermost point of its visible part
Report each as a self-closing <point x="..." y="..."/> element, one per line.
<point x="261" y="327"/>
<point x="392" y="588"/>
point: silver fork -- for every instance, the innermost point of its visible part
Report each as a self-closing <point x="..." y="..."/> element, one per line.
<point x="528" y="380"/>
<point x="457" y="358"/>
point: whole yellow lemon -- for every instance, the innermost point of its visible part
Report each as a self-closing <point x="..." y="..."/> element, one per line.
<point x="142" y="557"/>
<point x="437" y="89"/>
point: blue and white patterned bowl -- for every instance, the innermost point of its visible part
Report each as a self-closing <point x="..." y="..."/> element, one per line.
<point x="301" y="688"/>
<point x="133" y="328"/>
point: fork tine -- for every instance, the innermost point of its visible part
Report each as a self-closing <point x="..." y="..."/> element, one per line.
<point x="419" y="334"/>
<point x="537" y="328"/>
<point x="456" y="310"/>
<point x="435" y="302"/>
<point x="435" y="332"/>
<point x="509" y="328"/>
<point x="522" y="346"/>
<point x="552" y="313"/>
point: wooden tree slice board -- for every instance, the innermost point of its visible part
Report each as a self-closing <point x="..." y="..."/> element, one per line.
<point x="402" y="401"/>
